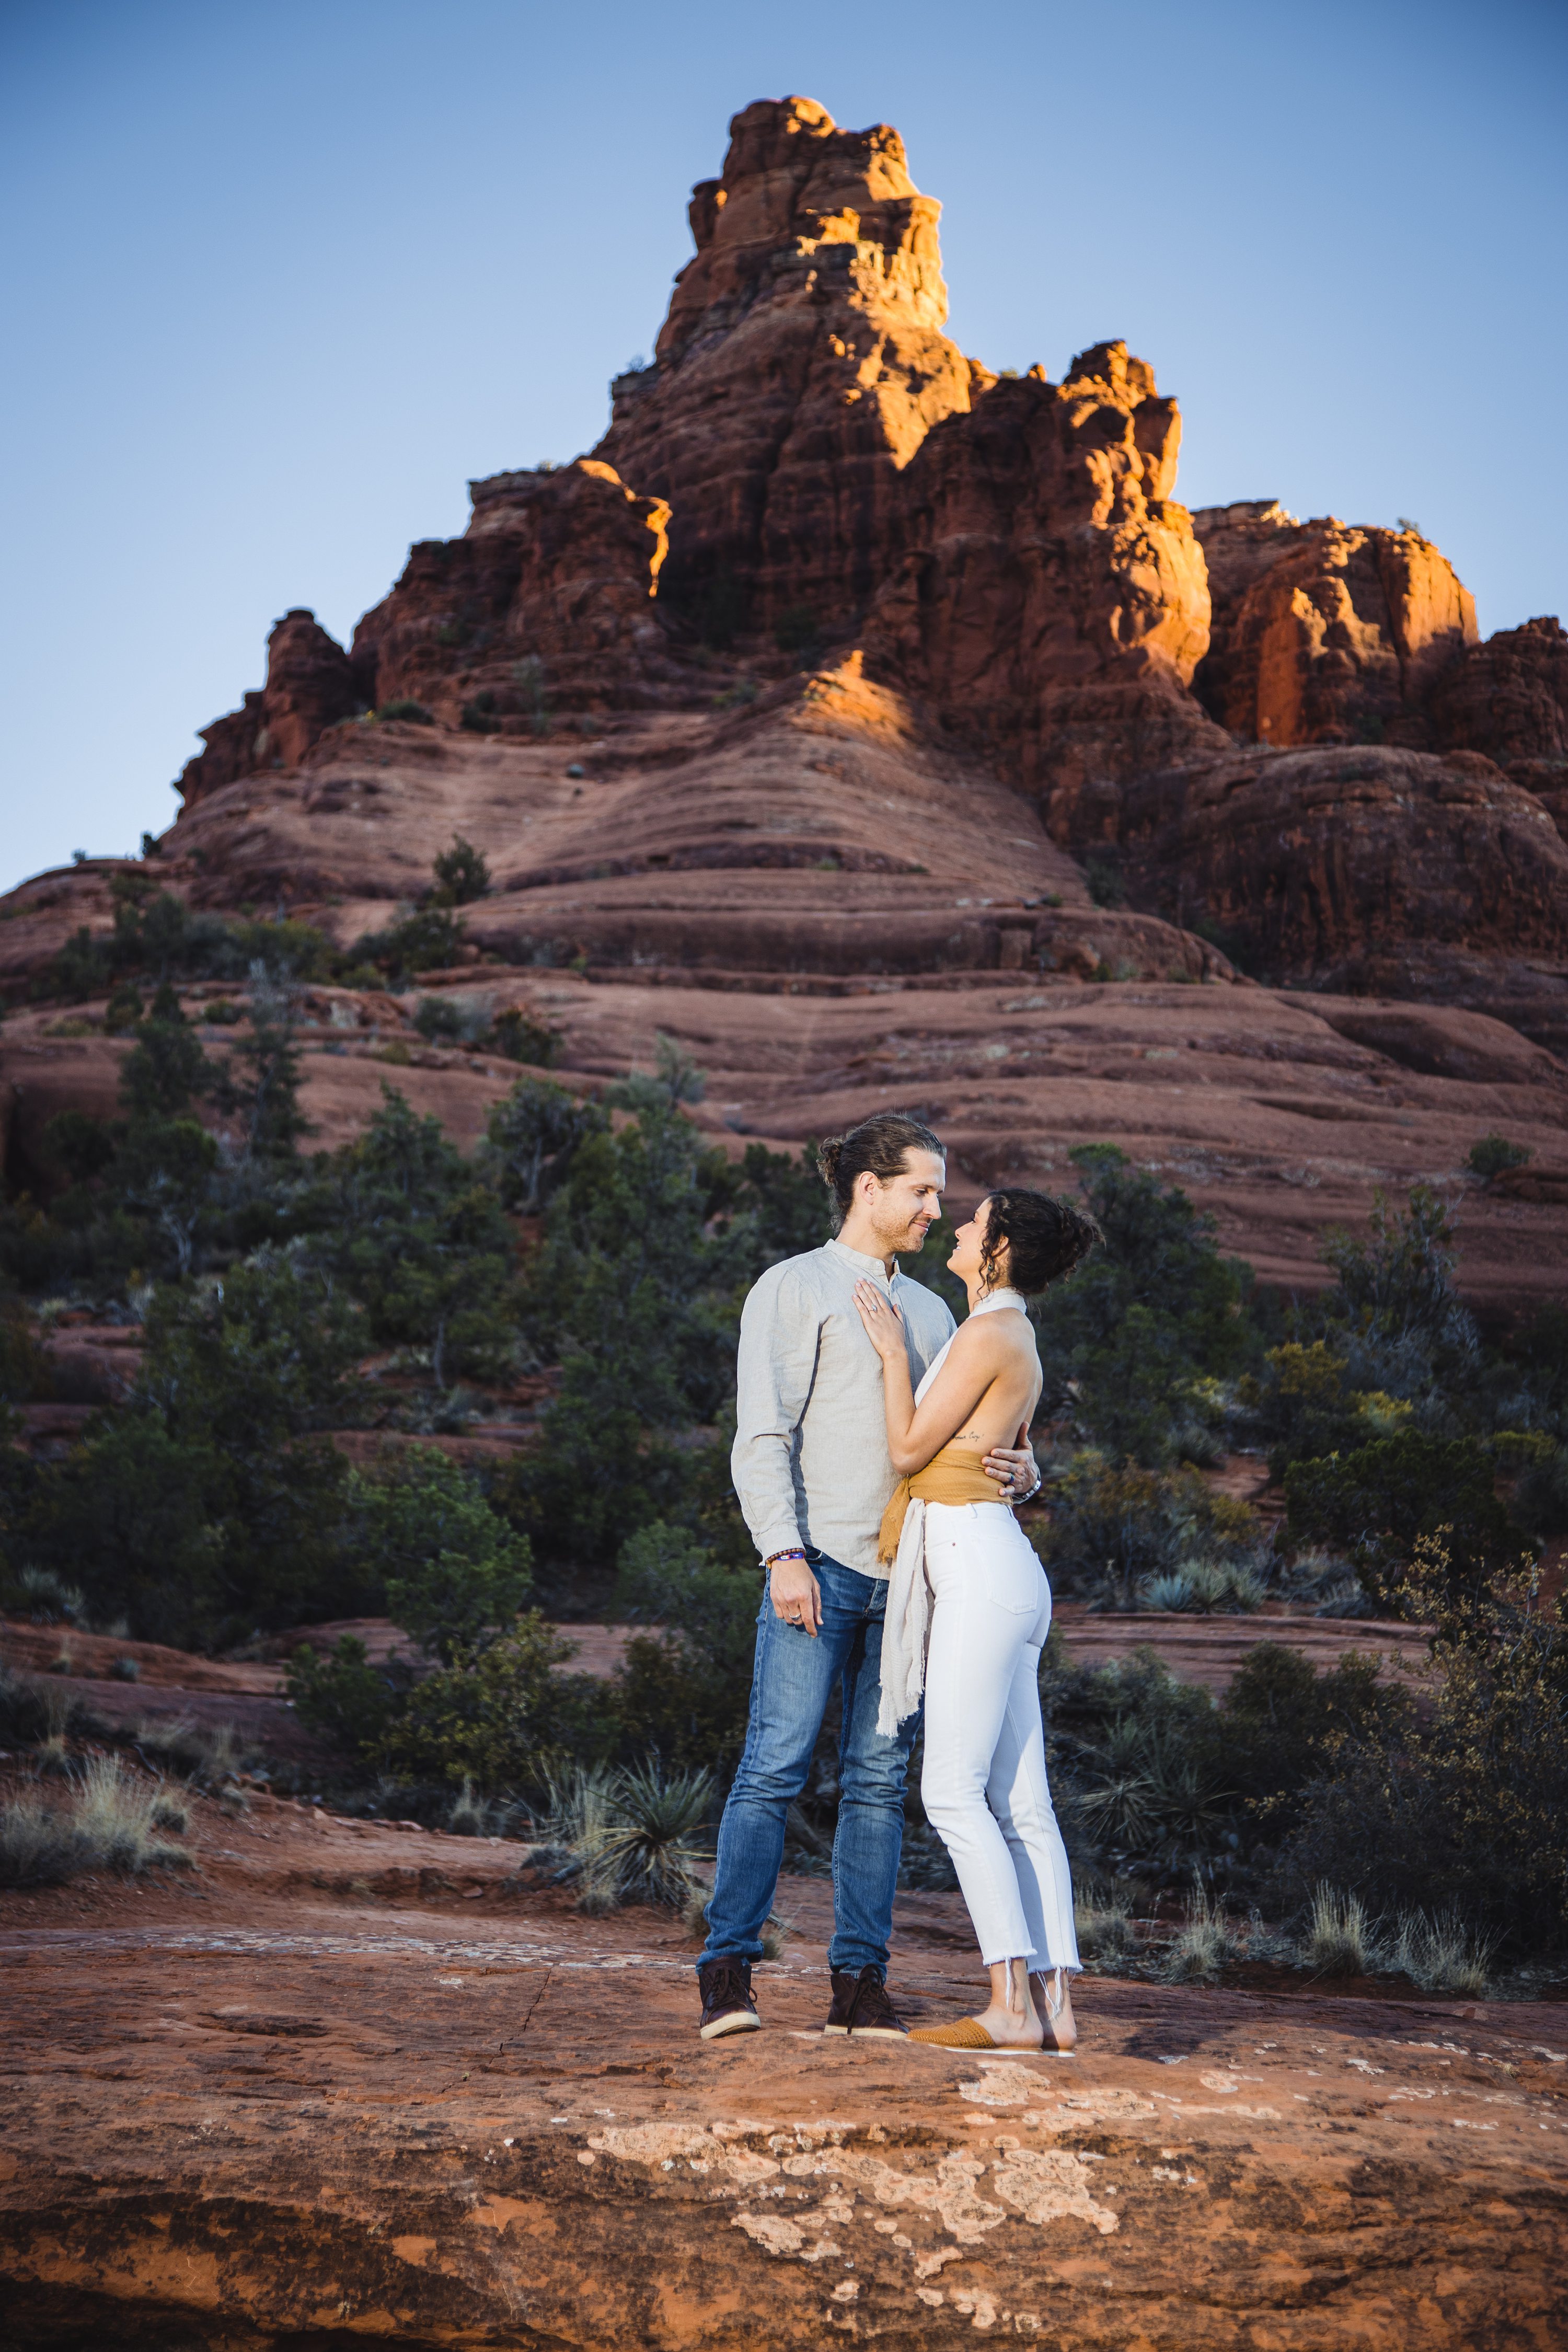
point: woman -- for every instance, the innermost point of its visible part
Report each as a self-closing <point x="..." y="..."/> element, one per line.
<point x="984" y="1784"/>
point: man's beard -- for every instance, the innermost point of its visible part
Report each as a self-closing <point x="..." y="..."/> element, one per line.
<point x="902" y="1241"/>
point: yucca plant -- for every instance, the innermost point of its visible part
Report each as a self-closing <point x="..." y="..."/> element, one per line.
<point x="633" y="1836"/>
<point x="655" y="1837"/>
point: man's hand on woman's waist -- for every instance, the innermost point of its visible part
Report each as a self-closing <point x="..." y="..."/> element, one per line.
<point x="1016" y="1471"/>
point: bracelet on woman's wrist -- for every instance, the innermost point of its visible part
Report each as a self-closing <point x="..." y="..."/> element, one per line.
<point x="794" y="1551"/>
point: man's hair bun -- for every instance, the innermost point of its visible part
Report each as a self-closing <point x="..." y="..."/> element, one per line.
<point x="880" y="1147"/>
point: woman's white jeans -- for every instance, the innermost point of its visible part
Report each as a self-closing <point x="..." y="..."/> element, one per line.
<point x="984" y="1784"/>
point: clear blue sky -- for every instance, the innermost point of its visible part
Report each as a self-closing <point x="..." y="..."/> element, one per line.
<point x="279" y="279"/>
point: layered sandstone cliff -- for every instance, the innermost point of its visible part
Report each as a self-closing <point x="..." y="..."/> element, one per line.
<point x="869" y="645"/>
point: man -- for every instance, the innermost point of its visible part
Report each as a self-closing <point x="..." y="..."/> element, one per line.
<point x="812" y="1470"/>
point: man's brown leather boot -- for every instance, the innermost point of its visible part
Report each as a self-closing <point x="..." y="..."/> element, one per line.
<point x="861" y="2008"/>
<point x="727" y="2003"/>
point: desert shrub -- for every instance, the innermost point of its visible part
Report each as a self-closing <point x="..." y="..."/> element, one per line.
<point x="1137" y="1769"/>
<point x="1304" y="1406"/>
<point x="683" y="1694"/>
<point x="787" y="1201"/>
<point x="501" y="1718"/>
<point x="415" y="1232"/>
<point x="1104" y="881"/>
<point x="530" y="1140"/>
<point x="158" y="935"/>
<point x="261" y="1078"/>
<point x="455" y="1575"/>
<point x="41" y="1844"/>
<point x="1279" y="1723"/>
<point x="1338" y="1941"/>
<point x="1457" y="1808"/>
<point x="44" y="1596"/>
<point x="517" y="1035"/>
<point x="168" y="1068"/>
<point x="24" y="1711"/>
<point x="412" y="713"/>
<point x="1114" y="1532"/>
<point x="1106" y="1934"/>
<point x="24" y="1367"/>
<point x="1203" y="1944"/>
<point x="426" y="940"/>
<point x="1203" y="1588"/>
<point x="1395" y="1312"/>
<point x="1541" y="1493"/>
<point x="210" y="1756"/>
<point x="106" y="1823"/>
<point x="344" y="1696"/>
<point x="449" y="1016"/>
<point x="675" y="1080"/>
<point x="640" y="1300"/>
<point x="1377" y="1502"/>
<point x="1536" y="1373"/>
<point x="207" y="1506"/>
<point x="630" y="1836"/>
<point x="1441" y="1953"/>
<point x="1493" y="1154"/>
<point x="1123" y="1343"/>
<point x="124" y="1008"/>
<point x="462" y="874"/>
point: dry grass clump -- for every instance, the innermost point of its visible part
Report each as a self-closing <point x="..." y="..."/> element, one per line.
<point x="204" y="1754"/>
<point x="1204" y="1945"/>
<point x="110" y="1821"/>
<point x="1441" y="1953"/>
<point x="1106" y="1934"/>
<point x="1339" y="1939"/>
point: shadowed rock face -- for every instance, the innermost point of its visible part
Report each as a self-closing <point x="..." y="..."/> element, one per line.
<point x="1318" y="864"/>
<point x="547" y="595"/>
<point x="1510" y="699"/>
<point x="310" y="684"/>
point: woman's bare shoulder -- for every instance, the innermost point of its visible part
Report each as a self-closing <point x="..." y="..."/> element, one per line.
<point x="984" y="1336"/>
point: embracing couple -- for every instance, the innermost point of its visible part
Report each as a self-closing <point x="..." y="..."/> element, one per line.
<point x="878" y="1451"/>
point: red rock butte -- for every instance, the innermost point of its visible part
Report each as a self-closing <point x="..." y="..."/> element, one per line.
<point x="882" y="728"/>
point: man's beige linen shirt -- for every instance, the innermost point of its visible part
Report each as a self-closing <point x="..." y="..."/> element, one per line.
<point x="810" y="1460"/>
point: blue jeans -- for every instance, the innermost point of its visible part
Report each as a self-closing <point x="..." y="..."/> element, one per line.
<point x="791" y="1682"/>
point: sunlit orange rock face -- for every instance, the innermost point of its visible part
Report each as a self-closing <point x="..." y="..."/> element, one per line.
<point x="1051" y="598"/>
<point x="800" y="369"/>
<point x="1325" y="633"/>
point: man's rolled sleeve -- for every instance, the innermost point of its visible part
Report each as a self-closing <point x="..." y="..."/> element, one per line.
<point x="774" y="1369"/>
